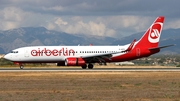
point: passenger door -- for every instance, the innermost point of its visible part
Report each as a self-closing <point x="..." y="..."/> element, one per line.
<point x="26" y="54"/>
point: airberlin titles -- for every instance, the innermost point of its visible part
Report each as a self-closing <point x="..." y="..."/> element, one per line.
<point x="54" y="52"/>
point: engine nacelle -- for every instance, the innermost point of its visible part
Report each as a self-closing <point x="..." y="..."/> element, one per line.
<point x="75" y="62"/>
<point x="60" y="63"/>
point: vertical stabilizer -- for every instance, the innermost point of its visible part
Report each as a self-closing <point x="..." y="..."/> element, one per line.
<point x="152" y="35"/>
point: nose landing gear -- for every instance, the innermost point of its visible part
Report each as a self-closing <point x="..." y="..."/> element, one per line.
<point x="20" y="65"/>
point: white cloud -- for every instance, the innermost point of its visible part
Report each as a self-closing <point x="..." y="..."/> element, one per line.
<point x="60" y="22"/>
<point x="90" y="25"/>
<point x="12" y="14"/>
<point x="114" y="26"/>
<point x="172" y="24"/>
<point x="14" y="17"/>
<point x="77" y="26"/>
<point x="104" y="18"/>
<point x="126" y="24"/>
<point x="102" y="26"/>
<point x="56" y="8"/>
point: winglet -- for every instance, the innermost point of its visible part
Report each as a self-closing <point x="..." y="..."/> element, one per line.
<point x="130" y="46"/>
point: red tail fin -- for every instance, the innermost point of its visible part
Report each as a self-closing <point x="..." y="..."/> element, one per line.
<point x="152" y="35"/>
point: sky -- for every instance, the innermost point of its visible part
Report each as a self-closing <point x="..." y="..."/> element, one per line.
<point x="114" y="18"/>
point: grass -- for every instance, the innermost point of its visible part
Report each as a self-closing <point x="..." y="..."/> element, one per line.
<point x="90" y="86"/>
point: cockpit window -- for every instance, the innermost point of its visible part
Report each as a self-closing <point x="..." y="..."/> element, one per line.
<point x="14" y="51"/>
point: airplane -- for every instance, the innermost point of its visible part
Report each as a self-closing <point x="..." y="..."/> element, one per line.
<point x="86" y="56"/>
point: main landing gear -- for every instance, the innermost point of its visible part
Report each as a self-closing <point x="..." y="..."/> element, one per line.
<point x="90" y="66"/>
<point x="21" y="66"/>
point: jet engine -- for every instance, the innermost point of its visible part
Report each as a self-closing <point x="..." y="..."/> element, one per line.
<point x="75" y="62"/>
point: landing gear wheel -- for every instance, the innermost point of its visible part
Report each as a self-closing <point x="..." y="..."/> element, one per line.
<point x="21" y="66"/>
<point x="84" y="67"/>
<point x="90" y="66"/>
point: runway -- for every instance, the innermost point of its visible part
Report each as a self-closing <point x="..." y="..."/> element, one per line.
<point x="41" y="69"/>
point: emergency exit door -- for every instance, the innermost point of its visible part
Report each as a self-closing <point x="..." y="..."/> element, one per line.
<point x="26" y="54"/>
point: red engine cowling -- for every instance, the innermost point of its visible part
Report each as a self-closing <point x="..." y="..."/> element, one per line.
<point x="75" y="62"/>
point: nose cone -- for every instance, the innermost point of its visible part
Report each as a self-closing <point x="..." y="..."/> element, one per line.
<point x="7" y="57"/>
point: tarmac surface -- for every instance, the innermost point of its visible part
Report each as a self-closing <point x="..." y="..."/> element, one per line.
<point x="110" y="69"/>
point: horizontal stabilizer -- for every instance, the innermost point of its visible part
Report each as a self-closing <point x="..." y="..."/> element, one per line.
<point x="161" y="47"/>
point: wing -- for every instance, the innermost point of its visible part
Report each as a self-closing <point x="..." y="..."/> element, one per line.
<point x="106" y="56"/>
<point x="99" y="57"/>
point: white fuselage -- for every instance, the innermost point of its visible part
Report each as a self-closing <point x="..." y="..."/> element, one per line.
<point x="60" y="53"/>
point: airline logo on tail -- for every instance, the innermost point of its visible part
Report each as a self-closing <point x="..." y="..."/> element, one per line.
<point x="154" y="32"/>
